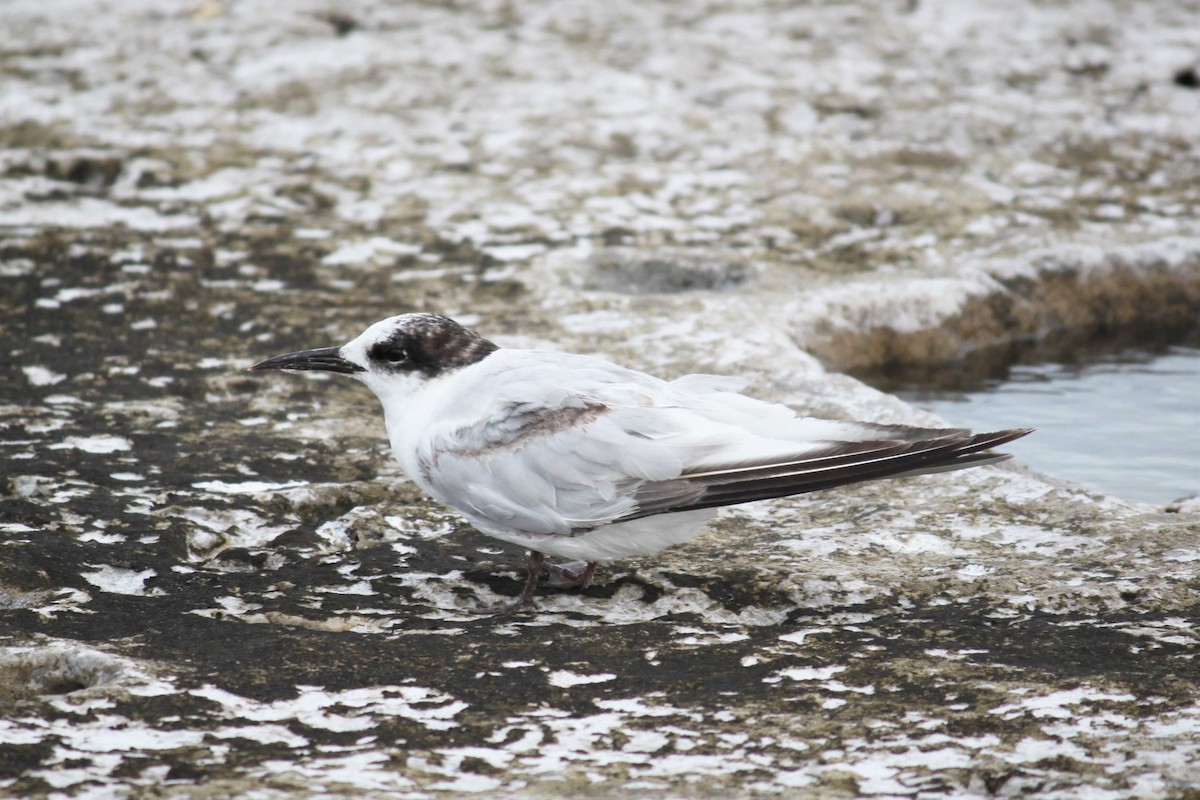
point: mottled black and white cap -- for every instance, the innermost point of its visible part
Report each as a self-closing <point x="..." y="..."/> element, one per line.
<point x="423" y="346"/>
<point x="429" y="344"/>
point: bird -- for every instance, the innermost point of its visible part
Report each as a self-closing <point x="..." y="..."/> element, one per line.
<point x="574" y="456"/>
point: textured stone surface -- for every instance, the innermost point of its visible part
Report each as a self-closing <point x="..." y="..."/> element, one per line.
<point x="213" y="583"/>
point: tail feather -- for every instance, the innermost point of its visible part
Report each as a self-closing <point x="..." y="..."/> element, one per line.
<point x="921" y="452"/>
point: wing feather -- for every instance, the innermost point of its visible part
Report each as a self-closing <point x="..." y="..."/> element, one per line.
<point x="742" y="484"/>
<point x="546" y="459"/>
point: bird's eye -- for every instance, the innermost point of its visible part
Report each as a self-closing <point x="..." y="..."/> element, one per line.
<point x="391" y="353"/>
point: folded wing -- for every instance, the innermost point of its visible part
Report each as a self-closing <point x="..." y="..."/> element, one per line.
<point x="632" y="446"/>
<point x="929" y="451"/>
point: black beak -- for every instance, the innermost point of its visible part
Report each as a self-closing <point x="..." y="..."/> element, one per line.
<point x="328" y="359"/>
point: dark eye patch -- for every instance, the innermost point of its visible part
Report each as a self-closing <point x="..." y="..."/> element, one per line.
<point x="428" y="344"/>
<point x="395" y="354"/>
<point x="392" y="353"/>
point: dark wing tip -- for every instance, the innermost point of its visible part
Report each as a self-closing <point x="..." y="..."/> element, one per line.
<point x="841" y="464"/>
<point x="983" y="441"/>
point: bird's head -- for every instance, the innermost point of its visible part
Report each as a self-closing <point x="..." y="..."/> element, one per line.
<point x="396" y="356"/>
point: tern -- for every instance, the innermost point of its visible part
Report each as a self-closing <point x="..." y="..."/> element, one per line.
<point x="574" y="456"/>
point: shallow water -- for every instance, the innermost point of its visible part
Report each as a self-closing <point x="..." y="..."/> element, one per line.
<point x="1127" y="423"/>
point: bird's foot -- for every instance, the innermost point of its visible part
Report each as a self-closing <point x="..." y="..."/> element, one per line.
<point x="525" y="601"/>
<point x="571" y="575"/>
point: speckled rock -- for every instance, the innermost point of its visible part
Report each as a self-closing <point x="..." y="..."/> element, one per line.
<point x="218" y="584"/>
<point x="629" y="270"/>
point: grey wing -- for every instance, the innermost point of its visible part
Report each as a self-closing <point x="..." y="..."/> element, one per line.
<point x="627" y="450"/>
<point x="923" y="451"/>
<point x="559" y="470"/>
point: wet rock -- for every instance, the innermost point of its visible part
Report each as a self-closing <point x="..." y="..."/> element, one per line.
<point x="93" y="170"/>
<point x="217" y="583"/>
<point x="1184" y="505"/>
<point x="632" y="271"/>
<point x="54" y="670"/>
<point x="871" y="329"/>
<point x="1188" y="78"/>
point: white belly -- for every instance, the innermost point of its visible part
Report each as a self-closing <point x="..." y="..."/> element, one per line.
<point x="640" y="537"/>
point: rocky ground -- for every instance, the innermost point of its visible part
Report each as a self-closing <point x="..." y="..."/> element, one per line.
<point x="215" y="583"/>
